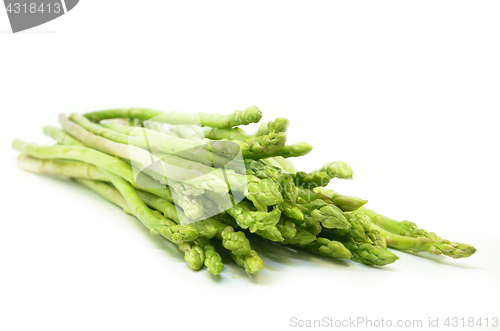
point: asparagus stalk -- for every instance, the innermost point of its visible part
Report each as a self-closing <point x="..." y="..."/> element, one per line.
<point x="253" y="220"/>
<point x="302" y="237"/>
<point x="62" y="168"/>
<point x="272" y="233"/>
<point x="260" y="145"/>
<point x="359" y="226"/>
<point x="327" y="247"/>
<point x="365" y="244"/>
<point x="286" y="228"/>
<point x="251" y="262"/>
<point x="249" y="115"/>
<point x="212" y="261"/>
<point x="279" y="124"/>
<point x="346" y="203"/>
<point x="406" y="236"/>
<point x="95" y="158"/>
<point x="294" y="150"/>
<point x="329" y="215"/>
<point x="369" y="254"/>
<point x="263" y="193"/>
<point x="321" y="177"/>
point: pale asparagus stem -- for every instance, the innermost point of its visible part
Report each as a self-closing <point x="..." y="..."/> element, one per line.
<point x="60" y="168"/>
<point x="143" y="158"/>
<point x="142" y="181"/>
<point x="96" y="158"/>
<point x="250" y="115"/>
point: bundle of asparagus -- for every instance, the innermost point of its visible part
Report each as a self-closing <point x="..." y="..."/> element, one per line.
<point x="205" y="184"/>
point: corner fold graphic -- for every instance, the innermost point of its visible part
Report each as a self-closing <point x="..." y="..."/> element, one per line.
<point x="26" y="14"/>
<point x="70" y="4"/>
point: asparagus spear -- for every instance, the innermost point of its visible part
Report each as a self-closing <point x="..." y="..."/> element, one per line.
<point x="369" y="254"/>
<point x="253" y="220"/>
<point x="329" y="215"/>
<point x="294" y="150"/>
<point x="406" y="236"/>
<point x="322" y="176"/>
<point x="251" y="262"/>
<point x="263" y="193"/>
<point x="262" y="170"/>
<point x="249" y="115"/>
<point x="365" y="244"/>
<point x="327" y="247"/>
<point x="302" y="237"/>
<point x="213" y="260"/>
<point x="260" y="145"/>
<point x="279" y="124"/>
<point x="272" y="233"/>
<point x="359" y="226"/>
<point x="346" y="203"/>
<point x="286" y="228"/>
<point x="60" y="168"/>
<point x="96" y="158"/>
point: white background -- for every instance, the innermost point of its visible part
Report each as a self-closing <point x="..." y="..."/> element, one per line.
<point x="406" y="92"/>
